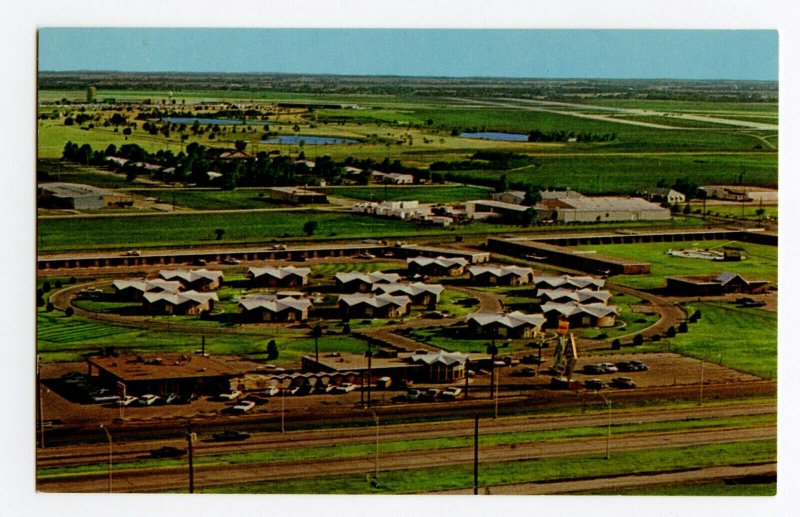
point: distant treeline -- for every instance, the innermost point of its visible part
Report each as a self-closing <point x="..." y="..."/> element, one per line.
<point x="565" y="136"/>
<point x="485" y="160"/>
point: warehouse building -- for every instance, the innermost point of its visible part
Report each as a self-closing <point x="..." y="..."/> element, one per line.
<point x="298" y="196"/>
<point x="372" y="306"/>
<point x="601" y="209"/>
<point x="511" y="325"/>
<point x="356" y="282"/>
<point x="79" y="197"/>
<point x="195" y="279"/>
<point x="270" y="307"/>
<point x="504" y="275"/>
<point x="723" y="283"/>
<point x="286" y="276"/>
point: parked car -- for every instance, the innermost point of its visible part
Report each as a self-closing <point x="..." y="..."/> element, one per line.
<point x="640" y="366"/>
<point x="170" y="398"/>
<point x="623" y="382"/>
<point x="344" y="388"/>
<point x="429" y="394"/>
<point x="132" y="253"/>
<point x="148" y="400"/>
<point x="272" y="391"/>
<point x="608" y="368"/>
<point x="593" y="369"/>
<point x="232" y="261"/>
<point x="258" y="398"/>
<point x="625" y="366"/>
<point x="528" y="371"/>
<point x="127" y="400"/>
<point x="105" y="399"/>
<point x="531" y="359"/>
<point x="230" y="435"/>
<point x="413" y="395"/>
<point x="243" y="406"/>
<point x="232" y="395"/>
<point x="167" y="452"/>
<point x="366" y="256"/>
<point x="450" y="393"/>
<point x="594" y="384"/>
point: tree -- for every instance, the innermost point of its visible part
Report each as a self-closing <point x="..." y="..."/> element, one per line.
<point x="127" y="131"/>
<point x="272" y="350"/>
<point x="638" y="340"/>
<point x="687" y="209"/>
<point x="241" y="145"/>
<point x="219" y="232"/>
<point x="683" y="327"/>
<point x="671" y="332"/>
<point x="616" y="344"/>
<point x="310" y="227"/>
<point x="69" y="121"/>
<point x="760" y="213"/>
<point x="69" y="312"/>
<point x="502" y="184"/>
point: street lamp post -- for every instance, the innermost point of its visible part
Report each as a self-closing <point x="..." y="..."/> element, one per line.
<point x="377" y="445"/>
<point x="608" y="433"/>
<point x="110" y="457"/>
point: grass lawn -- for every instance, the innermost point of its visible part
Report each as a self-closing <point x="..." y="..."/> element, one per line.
<point x="541" y="470"/>
<point x="742" y="338"/>
<point x="761" y="261"/>
<point x="212" y="199"/>
<point x="423" y="194"/>
<point x="739" y="212"/>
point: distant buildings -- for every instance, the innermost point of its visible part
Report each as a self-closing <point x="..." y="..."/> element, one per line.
<point x="426" y="295"/>
<point x="273" y="308"/>
<point x="573" y="207"/>
<point x="197" y="279"/>
<point x="567" y="282"/>
<point x="134" y="289"/>
<point x="740" y="193"/>
<point x="392" y="178"/>
<point x="79" y="197"/>
<point x="711" y="285"/>
<point x="297" y="195"/>
<point x="511" y="325"/>
<point x="486" y="209"/>
<point x="186" y="302"/>
<point x="580" y="314"/>
<point x="667" y="195"/>
<point x="356" y="282"/>
<point x="504" y="275"/>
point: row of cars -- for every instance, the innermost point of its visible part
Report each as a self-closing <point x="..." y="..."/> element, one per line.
<point x="169" y="451"/>
<point x="624" y="366"/>
<point x="429" y="395"/>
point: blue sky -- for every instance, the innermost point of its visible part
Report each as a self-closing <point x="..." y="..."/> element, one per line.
<point x="643" y="54"/>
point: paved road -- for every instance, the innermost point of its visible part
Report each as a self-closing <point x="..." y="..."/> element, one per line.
<point x="175" y="479"/>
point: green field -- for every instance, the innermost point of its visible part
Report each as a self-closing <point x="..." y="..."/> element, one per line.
<point x="213" y="199"/>
<point x="761" y="261"/>
<point x="423" y="194"/>
<point x="742" y="338"/>
<point x="740" y="212"/>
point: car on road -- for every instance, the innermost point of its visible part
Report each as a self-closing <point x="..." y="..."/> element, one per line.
<point x="366" y="256"/>
<point x="105" y="399"/>
<point x="639" y="366"/>
<point x="531" y="359"/>
<point x="230" y="435"/>
<point x="231" y="261"/>
<point x="608" y="368"/>
<point x="148" y="400"/>
<point x="594" y="384"/>
<point x="243" y="406"/>
<point x="132" y="253"/>
<point x="528" y="371"/>
<point x="167" y="452"/>
<point x="170" y="398"/>
<point x="450" y="393"/>
<point x="623" y="382"/>
<point x="593" y="369"/>
<point x="127" y="400"/>
<point x="413" y="395"/>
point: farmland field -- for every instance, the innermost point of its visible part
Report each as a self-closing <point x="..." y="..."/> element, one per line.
<point x="212" y="199"/>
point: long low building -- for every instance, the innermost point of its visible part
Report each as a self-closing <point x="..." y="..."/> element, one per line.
<point x="270" y="307"/>
<point x="186" y="302"/>
<point x="602" y="209"/>
<point x="426" y="295"/>
<point x="504" y="275"/>
<point x="580" y="315"/>
<point x="162" y="374"/>
<point x="439" y="266"/>
<point x="197" y="279"/>
<point x="286" y="276"/>
<point x="358" y="282"/>
<point x="298" y="196"/>
<point x="712" y="285"/>
<point x="80" y="197"/>
<point x="511" y="325"/>
<point x="372" y="306"/>
<point x="420" y="366"/>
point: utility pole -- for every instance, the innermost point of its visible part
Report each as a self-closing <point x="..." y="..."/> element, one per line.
<point x="702" y="379"/>
<point x="466" y="379"/>
<point x="377" y="444"/>
<point x="39" y="401"/>
<point x="283" y="410"/>
<point x="497" y="395"/>
<point x="190" y="443"/>
<point x="475" y="461"/>
<point x="608" y="434"/>
<point x="369" y="374"/>
<point x="110" y="457"/>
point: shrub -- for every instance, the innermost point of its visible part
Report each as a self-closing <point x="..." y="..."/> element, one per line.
<point x="49" y="307"/>
<point x="272" y="350"/>
<point x="616" y="344"/>
<point x="683" y="327"/>
<point x="671" y="332"/>
<point x="655" y="338"/>
<point x="638" y="340"/>
<point x="69" y="312"/>
<point x="45" y="286"/>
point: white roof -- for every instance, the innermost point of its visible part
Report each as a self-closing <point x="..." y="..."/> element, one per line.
<point x="571" y="308"/>
<point x="570" y="282"/>
<point x="180" y="298"/>
<point x="591" y="204"/>
<point x="500" y="204"/>
<point x="509" y="320"/>
<point x="409" y="289"/>
<point x="148" y="285"/>
<point x="581" y="295"/>
<point x="439" y="261"/>
<point x="371" y="278"/>
<point x="500" y="271"/>
<point x="446" y="358"/>
<point x="278" y="272"/>
<point x="273" y="304"/>
<point x="190" y="275"/>
<point x="73" y="190"/>
<point x="375" y="301"/>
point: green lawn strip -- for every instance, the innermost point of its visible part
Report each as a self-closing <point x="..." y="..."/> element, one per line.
<point x="715" y="488"/>
<point x="742" y="338"/>
<point x="365" y="449"/>
<point x="761" y="262"/>
<point x="736" y="211"/>
<point x="213" y="199"/>
<point x="423" y="194"/>
<point x="529" y="471"/>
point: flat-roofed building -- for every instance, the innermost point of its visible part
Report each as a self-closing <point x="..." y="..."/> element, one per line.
<point x="163" y="374"/>
<point x="286" y="276"/>
<point x="714" y="285"/>
<point x="297" y="195"/>
<point x="194" y="279"/>
<point x="485" y="209"/>
<point x="600" y="209"/>
<point x="79" y="197"/>
<point x="393" y="178"/>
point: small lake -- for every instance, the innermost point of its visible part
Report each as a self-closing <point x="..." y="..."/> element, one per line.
<point x="489" y="135"/>
<point x="308" y="140"/>
<point x="205" y="121"/>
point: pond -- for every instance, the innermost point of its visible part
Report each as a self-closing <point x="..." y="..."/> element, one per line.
<point x="495" y="135"/>
<point x="308" y="140"/>
<point x="205" y="121"/>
